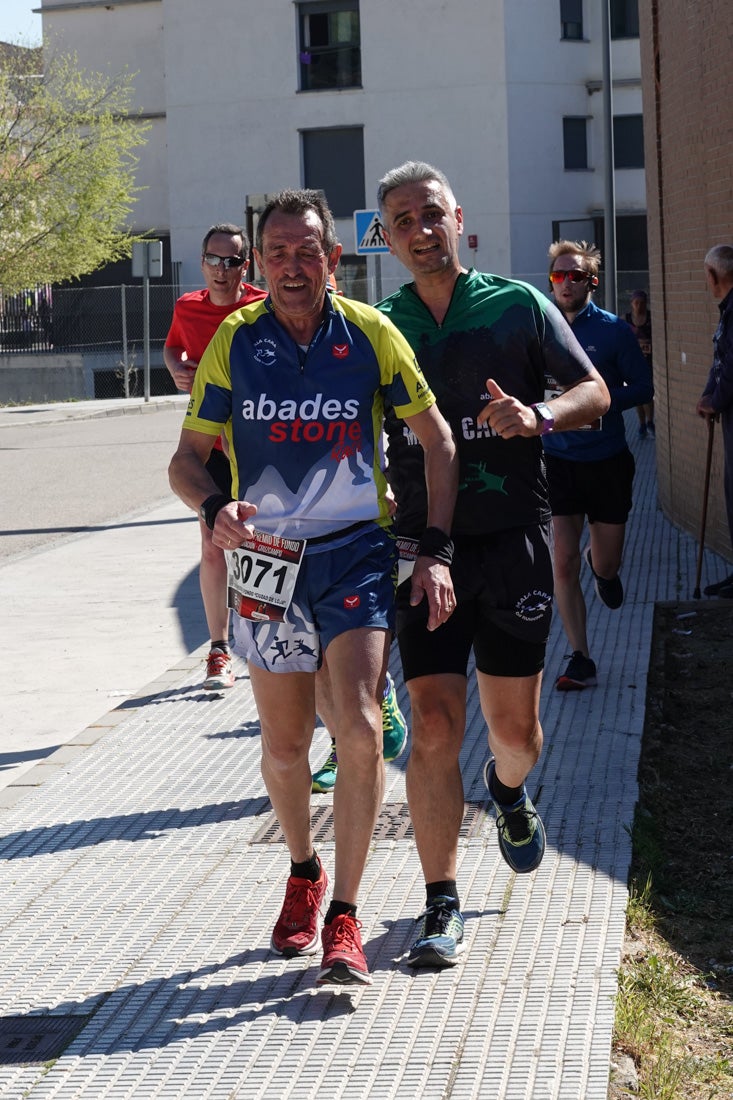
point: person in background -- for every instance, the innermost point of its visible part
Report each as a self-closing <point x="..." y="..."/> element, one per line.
<point x="394" y="726"/>
<point x="591" y="472"/>
<point x="716" y="399"/>
<point x="196" y="317"/>
<point x="640" y="320"/>
<point x="298" y="383"/>
<point x="394" y="731"/>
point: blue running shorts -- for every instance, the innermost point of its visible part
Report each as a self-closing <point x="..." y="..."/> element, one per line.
<point x="339" y="588"/>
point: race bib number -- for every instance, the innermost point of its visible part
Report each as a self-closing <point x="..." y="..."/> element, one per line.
<point x="261" y="576"/>
<point x="407" y="550"/>
<point x="553" y="390"/>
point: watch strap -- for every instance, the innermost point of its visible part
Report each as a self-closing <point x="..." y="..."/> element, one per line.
<point x="211" y="507"/>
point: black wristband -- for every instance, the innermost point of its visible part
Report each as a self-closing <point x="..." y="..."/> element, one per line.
<point x="436" y="544"/>
<point x="211" y="507"/>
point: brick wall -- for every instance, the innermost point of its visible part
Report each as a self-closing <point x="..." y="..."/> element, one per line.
<point x="687" y="80"/>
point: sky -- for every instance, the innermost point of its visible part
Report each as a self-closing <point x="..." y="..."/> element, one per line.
<point x="18" y="24"/>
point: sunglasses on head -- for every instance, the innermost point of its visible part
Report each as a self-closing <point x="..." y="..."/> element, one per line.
<point x="213" y="260"/>
<point x="575" y="276"/>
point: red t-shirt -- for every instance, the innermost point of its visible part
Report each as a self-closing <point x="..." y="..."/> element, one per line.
<point x="196" y="319"/>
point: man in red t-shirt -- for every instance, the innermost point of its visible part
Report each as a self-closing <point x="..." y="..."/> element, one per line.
<point x="196" y="317"/>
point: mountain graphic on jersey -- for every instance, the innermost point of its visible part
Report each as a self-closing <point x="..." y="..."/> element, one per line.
<point x="325" y="500"/>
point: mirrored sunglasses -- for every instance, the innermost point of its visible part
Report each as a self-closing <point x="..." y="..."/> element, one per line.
<point x="575" y="276"/>
<point x="213" y="260"/>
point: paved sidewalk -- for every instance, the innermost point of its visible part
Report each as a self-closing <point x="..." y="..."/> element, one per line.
<point x="141" y="878"/>
<point x="57" y="411"/>
<point x="90" y="615"/>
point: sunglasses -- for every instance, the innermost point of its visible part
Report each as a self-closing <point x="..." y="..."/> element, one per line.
<point x="213" y="260"/>
<point x="575" y="276"/>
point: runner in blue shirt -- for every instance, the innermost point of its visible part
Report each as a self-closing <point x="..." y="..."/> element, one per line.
<point x="590" y="472"/>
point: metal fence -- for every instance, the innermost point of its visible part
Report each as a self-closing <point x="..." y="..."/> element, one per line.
<point x="104" y="325"/>
<point x="25" y="320"/>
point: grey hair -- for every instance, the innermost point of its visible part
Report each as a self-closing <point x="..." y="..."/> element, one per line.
<point x="720" y="258"/>
<point x="298" y="202"/>
<point x="412" y="171"/>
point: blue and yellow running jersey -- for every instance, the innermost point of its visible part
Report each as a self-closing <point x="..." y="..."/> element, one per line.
<point x="304" y="425"/>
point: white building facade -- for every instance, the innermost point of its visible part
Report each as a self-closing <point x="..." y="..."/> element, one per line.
<point x="249" y="97"/>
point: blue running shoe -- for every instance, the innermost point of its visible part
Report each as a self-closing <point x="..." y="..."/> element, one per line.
<point x="394" y="726"/>
<point x="520" y="829"/>
<point x="440" y="940"/>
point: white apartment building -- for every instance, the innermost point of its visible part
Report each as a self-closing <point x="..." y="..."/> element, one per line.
<point x="249" y="96"/>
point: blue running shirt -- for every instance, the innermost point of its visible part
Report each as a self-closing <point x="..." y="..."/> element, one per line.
<point x="305" y="427"/>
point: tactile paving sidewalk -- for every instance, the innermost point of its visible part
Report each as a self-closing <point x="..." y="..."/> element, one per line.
<point x="138" y="898"/>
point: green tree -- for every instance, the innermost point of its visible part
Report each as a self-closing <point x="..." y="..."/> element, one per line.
<point x="66" y="169"/>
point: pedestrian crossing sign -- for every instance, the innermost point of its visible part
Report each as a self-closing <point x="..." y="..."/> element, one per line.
<point x="368" y="233"/>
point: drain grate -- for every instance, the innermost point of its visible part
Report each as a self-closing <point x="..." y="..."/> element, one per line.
<point x="393" y="823"/>
<point x="28" y="1040"/>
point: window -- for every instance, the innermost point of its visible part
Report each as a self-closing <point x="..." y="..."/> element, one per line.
<point x="624" y="18"/>
<point x="571" y="20"/>
<point x="330" y="52"/>
<point x="575" y="143"/>
<point x="632" y="250"/>
<point x="628" y="141"/>
<point x="333" y="161"/>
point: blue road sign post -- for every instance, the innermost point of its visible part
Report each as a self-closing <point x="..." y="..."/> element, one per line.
<point x="369" y="238"/>
<point x="368" y="233"/>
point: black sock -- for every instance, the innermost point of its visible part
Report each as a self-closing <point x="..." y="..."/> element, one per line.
<point x="339" y="909"/>
<point x="309" y="868"/>
<point x="505" y="796"/>
<point x="223" y="646"/>
<point x="445" y="889"/>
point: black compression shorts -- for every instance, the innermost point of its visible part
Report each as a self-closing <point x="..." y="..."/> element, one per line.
<point x="599" y="490"/>
<point x="503" y="584"/>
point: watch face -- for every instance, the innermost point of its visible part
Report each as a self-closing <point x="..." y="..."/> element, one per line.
<point x="544" y="417"/>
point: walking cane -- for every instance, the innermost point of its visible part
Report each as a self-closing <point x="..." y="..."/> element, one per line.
<point x="704" y="516"/>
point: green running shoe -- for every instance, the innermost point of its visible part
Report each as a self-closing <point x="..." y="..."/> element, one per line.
<point x="394" y="726"/>
<point x="394" y="739"/>
<point x="325" y="778"/>
<point x="440" y="938"/>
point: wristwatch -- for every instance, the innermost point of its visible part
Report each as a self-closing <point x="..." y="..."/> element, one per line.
<point x="544" y="417"/>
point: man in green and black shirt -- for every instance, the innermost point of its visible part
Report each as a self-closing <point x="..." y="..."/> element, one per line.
<point x="485" y="345"/>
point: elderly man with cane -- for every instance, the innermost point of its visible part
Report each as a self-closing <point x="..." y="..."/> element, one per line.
<point x="717" y="397"/>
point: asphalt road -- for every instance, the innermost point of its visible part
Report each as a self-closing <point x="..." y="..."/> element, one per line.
<point x="66" y="477"/>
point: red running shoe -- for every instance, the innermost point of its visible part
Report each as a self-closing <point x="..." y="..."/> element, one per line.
<point x="219" y="672"/>
<point x="343" y="957"/>
<point x="296" y="930"/>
